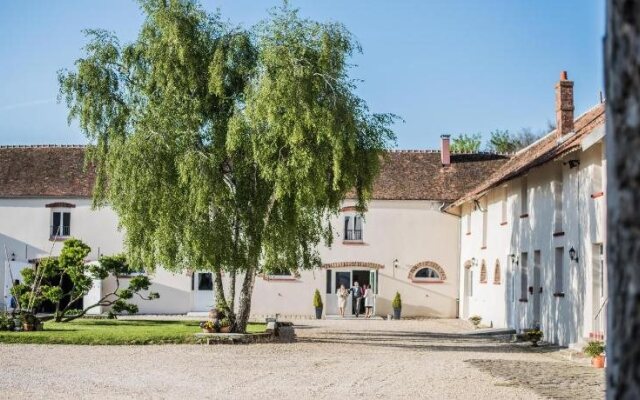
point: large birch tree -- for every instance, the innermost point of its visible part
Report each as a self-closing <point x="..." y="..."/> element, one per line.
<point x="225" y="149"/>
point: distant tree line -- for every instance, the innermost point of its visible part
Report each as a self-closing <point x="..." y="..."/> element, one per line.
<point x="500" y="141"/>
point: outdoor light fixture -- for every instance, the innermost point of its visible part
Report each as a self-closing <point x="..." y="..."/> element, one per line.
<point x="474" y="262"/>
<point x="514" y="259"/>
<point x="395" y="263"/>
<point x="13" y="256"/>
<point x="572" y="254"/>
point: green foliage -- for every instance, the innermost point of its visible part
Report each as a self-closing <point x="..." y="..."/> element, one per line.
<point x="71" y="263"/>
<point x="502" y="142"/>
<point x="113" y="332"/>
<point x="6" y="322"/>
<point x="594" y="348"/>
<point x="465" y="143"/>
<point x="317" y="299"/>
<point x="534" y="336"/>
<point x="475" y="320"/>
<point x="225" y="148"/>
<point x="397" y="301"/>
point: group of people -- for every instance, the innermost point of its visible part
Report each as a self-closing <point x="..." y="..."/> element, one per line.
<point x="357" y="293"/>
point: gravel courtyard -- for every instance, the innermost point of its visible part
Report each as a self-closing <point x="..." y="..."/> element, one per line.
<point x="330" y="360"/>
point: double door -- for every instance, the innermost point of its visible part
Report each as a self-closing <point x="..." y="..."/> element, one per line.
<point x="347" y="278"/>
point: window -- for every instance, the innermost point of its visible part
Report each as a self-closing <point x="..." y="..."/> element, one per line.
<point x="559" y="270"/>
<point x="205" y="281"/>
<point x="427" y="273"/>
<point x="485" y="219"/>
<point x="497" y="274"/>
<point x="601" y="281"/>
<point x="483" y="272"/>
<point x="524" y="197"/>
<point x="328" y="281"/>
<point x="503" y="204"/>
<point x="61" y="224"/>
<point x="557" y="197"/>
<point x="353" y="227"/>
<point x="524" y="276"/>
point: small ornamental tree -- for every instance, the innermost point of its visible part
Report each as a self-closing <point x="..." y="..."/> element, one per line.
<point x="225" y="149"/>
<point x="317" y="299"/>
<point x="45" y="283"/>
<point x="397" y="301"/>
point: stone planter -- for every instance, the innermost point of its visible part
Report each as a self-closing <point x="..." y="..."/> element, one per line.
<point x="318" y="312"/>
<point x="206" y="330"/>
<point x="598" y="361"/>
<point x="225" y="329"/>
<point x="28" y="327"/>
<point x="397" y="313"/>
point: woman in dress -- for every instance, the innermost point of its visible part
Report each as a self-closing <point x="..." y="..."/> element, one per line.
<point x="368" y="301"/>
<point x="343" y="294"/>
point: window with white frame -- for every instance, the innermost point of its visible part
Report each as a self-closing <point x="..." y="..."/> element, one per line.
<point x="503" y="204"/>
<point x="353" y="227"/>
<point x="524" y="196"/>
<point x="557" y="197"/>
<point x="60" y="223"/>
<point x="559" y="271"/>
<point x="524" y="276"/>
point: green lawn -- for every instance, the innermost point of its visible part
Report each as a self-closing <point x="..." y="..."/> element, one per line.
<point x="112" y="332"/>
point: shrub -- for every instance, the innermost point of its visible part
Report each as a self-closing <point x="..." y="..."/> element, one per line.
<point x="475" y="320"/>
<point x="594" y="348"/>
<point x="397" y="301"/>
<point x="317" y="299"/>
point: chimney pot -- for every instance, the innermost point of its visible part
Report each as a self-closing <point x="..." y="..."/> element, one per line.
<point x="445" y="154"/>
<point x="564" y="105"/>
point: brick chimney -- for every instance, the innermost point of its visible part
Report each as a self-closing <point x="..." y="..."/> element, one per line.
<point x="445" y="154"/>
<point x="564" y="105"/>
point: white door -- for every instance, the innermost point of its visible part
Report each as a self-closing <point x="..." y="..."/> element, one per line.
<point x="334" y="280"/>
<point x="537" y="289"/>
<point x="202" y="290"/>
<point x="599" y="289"/>
<point x="468" y="291"/>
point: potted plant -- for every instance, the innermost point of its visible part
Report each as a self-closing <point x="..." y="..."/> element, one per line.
<point x="397" y="306"/>
<point x="475" y="320"/>
<point x="317" y="303"/>
<point x="207" y="327"/>
<point x="29" y="322"/>
<point x="595" y="350"/>
<point x="534" y="336"/>
<point x="224" y="325"/>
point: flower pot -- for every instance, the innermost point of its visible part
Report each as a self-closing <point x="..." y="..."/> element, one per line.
<point x="225" y="329"/>
<point x="318" y="312"/>
<point x="396" y="313"/>
<point x="598" y="361"/>
<point x="28" y="327"/>
<point x="207" y="330"/>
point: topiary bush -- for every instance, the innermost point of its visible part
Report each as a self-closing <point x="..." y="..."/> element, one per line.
<point x="317" y="299"/>
<point x="397" y="301"/>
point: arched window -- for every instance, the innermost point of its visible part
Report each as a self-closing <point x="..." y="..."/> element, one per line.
<point x="483" y="272"/>
<point x="497" y="275"/>
<point x="427" y="273"/>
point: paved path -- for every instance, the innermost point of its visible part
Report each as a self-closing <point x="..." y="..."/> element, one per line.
<point x="330" y="360"/>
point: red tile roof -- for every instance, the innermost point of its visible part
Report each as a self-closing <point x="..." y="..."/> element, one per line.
<point x="44" y="171"/>
<point x="546" y="149"/>
<point x="58" y="171"/>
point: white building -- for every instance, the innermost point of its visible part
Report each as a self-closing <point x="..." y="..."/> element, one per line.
<point x="532" y="235"/>
<point x="404" y="243"/>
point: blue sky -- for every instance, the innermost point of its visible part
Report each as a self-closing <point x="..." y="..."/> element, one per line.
<point x="445" y="66"/>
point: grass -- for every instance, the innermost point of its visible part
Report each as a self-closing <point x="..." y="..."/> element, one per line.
<point x="113" y="332"/>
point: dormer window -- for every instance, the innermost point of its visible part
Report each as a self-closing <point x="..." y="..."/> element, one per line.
<point x="60" y="224"/>
<point x="353" y="228"/>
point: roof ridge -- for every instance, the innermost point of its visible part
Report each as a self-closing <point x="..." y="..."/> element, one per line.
<point x="431" y="151"/>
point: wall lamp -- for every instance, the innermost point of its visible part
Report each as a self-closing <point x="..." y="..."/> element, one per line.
<point x="395" y="263"/>
<point x="514" y="259"/>
<point x="474" y="262"/>
<point x="13" y="256"/>
<point x="572" y="254"/>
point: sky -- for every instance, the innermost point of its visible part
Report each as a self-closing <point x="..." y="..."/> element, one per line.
<point x="444" y="66"/>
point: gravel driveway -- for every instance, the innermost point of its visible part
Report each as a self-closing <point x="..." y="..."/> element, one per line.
<point x="330" y="360"/>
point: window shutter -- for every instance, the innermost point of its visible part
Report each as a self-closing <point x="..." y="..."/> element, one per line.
<point x="56" y="224"/>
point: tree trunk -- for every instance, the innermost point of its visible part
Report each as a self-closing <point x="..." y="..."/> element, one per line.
<point x="221" y="301"/>
<point x="244" y="302"/>
<point x="622" y="77"/>
<point x="232" y="290"/>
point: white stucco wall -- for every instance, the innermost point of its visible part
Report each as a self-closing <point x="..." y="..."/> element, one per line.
<point x="564" y="320"/>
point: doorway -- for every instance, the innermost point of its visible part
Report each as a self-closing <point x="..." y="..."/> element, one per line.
<point x="202" y="291"/>
<point x="537" y="289"/>
<point x="468" y="290"/>
<point x="336" y="278"/>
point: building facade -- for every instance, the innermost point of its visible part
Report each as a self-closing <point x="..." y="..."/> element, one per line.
<point x="532" y="236"/>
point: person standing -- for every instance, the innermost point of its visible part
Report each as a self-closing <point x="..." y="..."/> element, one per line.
<point x="356" y="293"/>
<point x="368" y="301"/>
<point x="343" y="294"/>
